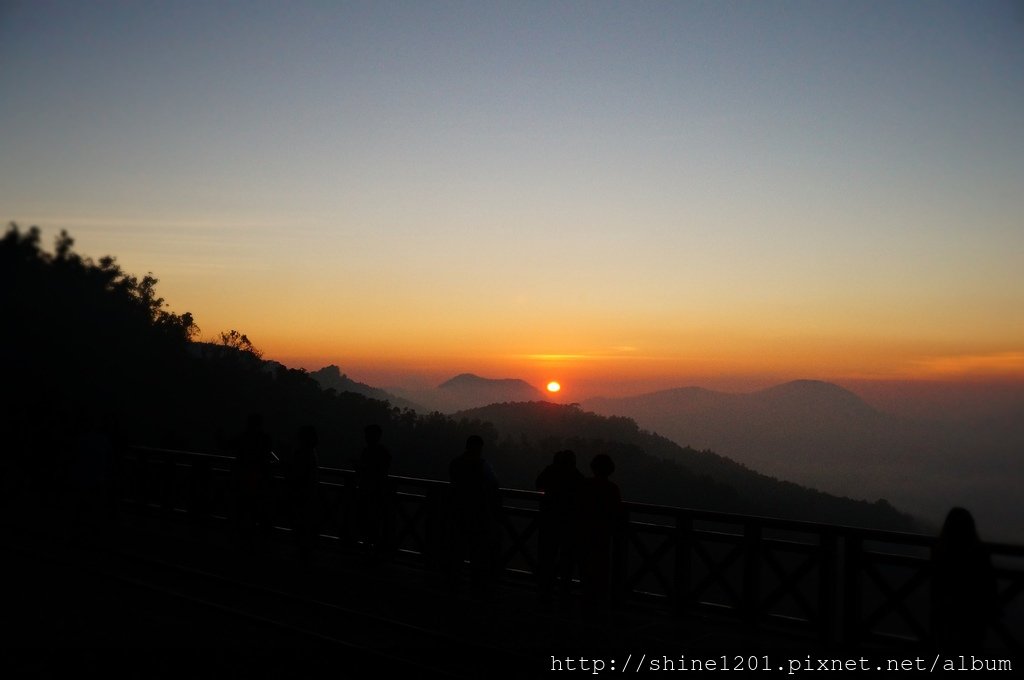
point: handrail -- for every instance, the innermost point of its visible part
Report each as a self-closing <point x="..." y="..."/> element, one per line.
<point x="822" y="580"/>
<point x="807" y="526"/>
<point x="180" y="452"/>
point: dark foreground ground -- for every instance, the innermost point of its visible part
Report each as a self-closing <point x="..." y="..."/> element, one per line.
<point x="153" y="597"/>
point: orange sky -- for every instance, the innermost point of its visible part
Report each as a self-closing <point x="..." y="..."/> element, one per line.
<point x="388" y="326"/>
<point x="720" y="195"/>
<point x="611" y="374"/>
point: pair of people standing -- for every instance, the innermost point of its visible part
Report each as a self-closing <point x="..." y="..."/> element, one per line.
<point x="255" y="498"/>
<point x="579" y="519"/>
<point x="372" y="498"/>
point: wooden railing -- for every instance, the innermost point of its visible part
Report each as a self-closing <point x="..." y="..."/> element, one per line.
<point x="834" y="583"/>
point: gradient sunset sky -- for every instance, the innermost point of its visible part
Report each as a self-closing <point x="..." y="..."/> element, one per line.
<point x="622" y="196"/>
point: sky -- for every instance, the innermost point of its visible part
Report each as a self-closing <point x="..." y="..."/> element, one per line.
<point x="618" y="195"/>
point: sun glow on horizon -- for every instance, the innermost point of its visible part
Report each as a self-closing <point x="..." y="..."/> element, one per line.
<point x="554" y="387"/>
<point x="686" y="231"/>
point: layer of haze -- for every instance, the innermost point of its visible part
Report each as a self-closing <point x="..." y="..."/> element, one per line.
<point x="620" y="196"/>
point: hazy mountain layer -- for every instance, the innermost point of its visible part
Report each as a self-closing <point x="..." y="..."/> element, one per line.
<point x="821" y="435"/>
<point x="805" y="431"/>
<point x="654" y="469"/>
<point x="467" y="391"/>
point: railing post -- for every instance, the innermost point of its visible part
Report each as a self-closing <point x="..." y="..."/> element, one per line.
<point x="167" y="484"/>
<point x="852" y="589"/>
<point x="683" y="572"/>
<point x="434" y="527"/>
<point x="828" y="587"/>
<point x="751" y="593"/>
<point x="336" y="513"/>
<point x="200" y="492"/>
<point x="620" y="548"/>
<point x="144" y="479"/>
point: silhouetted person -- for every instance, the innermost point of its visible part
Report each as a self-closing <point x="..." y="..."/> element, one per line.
<point x="251" y="473"/>
<point x="560" y="482"/>
<point x="475" y="505"/>
<point x="303" y="484"/>
<point x="373" y="491"/>
<point x="599" y="513"/>
<point x="964" y="595"/>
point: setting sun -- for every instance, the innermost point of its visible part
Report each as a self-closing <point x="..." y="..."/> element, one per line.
<point x="553" y="386"/>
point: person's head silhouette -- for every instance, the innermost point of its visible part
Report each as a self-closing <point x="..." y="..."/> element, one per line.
<point x="474" y="446"/>
<point x="254" y="422"/>
<point x="373" y="434"/>
<point x="602" y="465"/>
<point x="959" y="528"/>
<point x="308" y="437"/>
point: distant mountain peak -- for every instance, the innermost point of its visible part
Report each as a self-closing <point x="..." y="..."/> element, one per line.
<point x="331" y="377"/>
<point x="808" y="385"/>
<point x="816" y="390"/>
<point x="473" y="380"/>
<point x="330" y="371"/>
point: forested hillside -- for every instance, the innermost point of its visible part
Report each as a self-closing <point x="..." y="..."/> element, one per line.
<point x="97" y="349"/>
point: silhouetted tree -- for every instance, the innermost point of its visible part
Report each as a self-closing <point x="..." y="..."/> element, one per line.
<point x="241" y="342"/>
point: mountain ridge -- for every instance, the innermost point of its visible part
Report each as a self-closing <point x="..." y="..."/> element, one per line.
<point x="807" y="431"/>
<point x="653" y="467"/>
<point x="331" y="377"/>
<point x="468" y="390"/>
